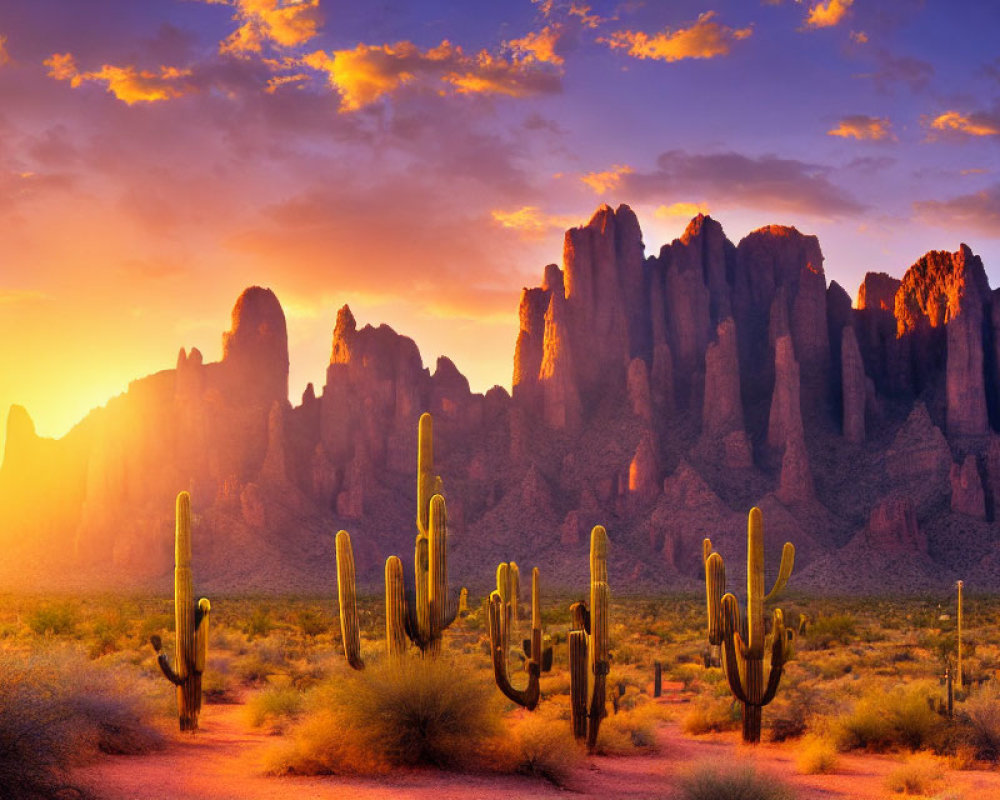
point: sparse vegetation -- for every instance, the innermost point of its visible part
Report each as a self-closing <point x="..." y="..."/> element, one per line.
<point x="714" y="782"/>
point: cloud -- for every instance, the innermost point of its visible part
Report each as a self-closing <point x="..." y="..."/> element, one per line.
<point x="859" y="37"/>
<point x="680" y="211"/>
<point x="861" y="126"/>
<point x="369" y="72"/>
<point x="608" y="180"/>
<point x="538" y="46"/>
<point x="765" y="182"/>
<point x="285" y="23"/>
<point x="975" y="124"/>
<point x="4" y="55"/>
<point x="128" y="84"/>
<point x="703" y="39"/>
<point x="893" y="70"/>
<point x="531" y="221"/>
<point x="826" y="15"/>
<point x="587" y="19"/>
<point x="979" y="211"/>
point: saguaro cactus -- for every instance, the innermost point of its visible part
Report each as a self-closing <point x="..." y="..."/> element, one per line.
<point x="191" y="623"/>
<point x="588" y="647"/>
<point x="748" y="653"/>
<point x="501" y="622"/>
<point x="424" y="614"/>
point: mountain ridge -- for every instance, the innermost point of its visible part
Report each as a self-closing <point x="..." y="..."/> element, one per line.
<point x="659" y="395"/>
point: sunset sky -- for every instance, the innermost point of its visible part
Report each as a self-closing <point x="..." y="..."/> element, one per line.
<point x="420" y="160"/>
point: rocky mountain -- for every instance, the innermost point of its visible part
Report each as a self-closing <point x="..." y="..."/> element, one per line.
<point x="660" y="395"/>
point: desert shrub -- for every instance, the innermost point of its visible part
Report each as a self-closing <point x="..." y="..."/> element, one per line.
<point x="817" y="756"/>
<point x="57" y="710"/>
<point x="882" y="720"/>
<point x="921" y="775"/>
<point x="543" y="747"/>
<point x="259" y="625"/>
<point x="711" y="714"/>
<point x="980" y="720"/>
<point x="218" y="685"/>
<point x="312" y="623"/>
<point x="275" y="705"/>
<point x="421" y="711"/>
<point x="57" y="619"/>
<point x="834" y="629"/>
<point x="711" y="782"/>
<point x="630" y="731"/>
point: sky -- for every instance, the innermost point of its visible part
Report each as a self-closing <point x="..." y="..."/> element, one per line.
<point x="421" y="159"/>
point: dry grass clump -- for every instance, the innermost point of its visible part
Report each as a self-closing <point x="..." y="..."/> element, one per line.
<point x="817" y="756"/>
<point x="56" y="711"/>
<point x="630" y="732"/>
<point x="921" y="775"/>
<point x="432" y="712"/>
<point x="712" y="782"/>
<point x="980" y="719"/>
<point x="711" y="714"/>
<point x="542" y="746"/>
<point x="275" y="705"/>
<point x="886" y="719"/>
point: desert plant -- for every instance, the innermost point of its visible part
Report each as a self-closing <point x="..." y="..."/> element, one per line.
<point x="273" y="704"/>
<point x="958" y="635"/>
<point x="55" y="619"/>
<point x="542" y="747"/>
<point x="817" y="756"/>
<point x="423" y="615"/>
<point x="882" y="720"/>
<point x="503" y="603"/>
<point x="588" y="646"/>
<point x="710" y="782"/>
<point x="749" y="654"/>
<point x="191" y="625"/>
<point x="921" y="775"/>
<point x="980" y="718"/>
<point x="404" y="712"/>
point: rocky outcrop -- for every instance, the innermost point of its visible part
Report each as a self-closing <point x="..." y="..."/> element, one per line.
<point x="562" y="408"/>
<point x="878" y="291"/>
<point x="639" y="394"/>
<point x="644" y="472"/>
<point x="853" y="387"/>
<point x="723" y="435"/>
<point x="892" y="527"/>
<point x="785" y="418"/>
<point x="967" y="495"/>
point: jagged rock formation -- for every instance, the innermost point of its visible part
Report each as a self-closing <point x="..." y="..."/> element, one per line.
<point x="659" y="395"/>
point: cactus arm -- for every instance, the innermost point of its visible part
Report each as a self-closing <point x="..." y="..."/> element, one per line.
<point x="755" y="583"/>
<point x="784" y="572"/>
<point x="421" y="565"/>
<point x="395" y="608"/>
<point x="499" y="618"/>
<point x="425" y="470"/>
<point x="732" y="657"/>
<point x="706" y="549"/>
<point x="163" y="661"/>
<point x="438" y="603"/>
<point x="347" y="596"/>
<point x="201" y="615"/>
<point x="715" y="587"/>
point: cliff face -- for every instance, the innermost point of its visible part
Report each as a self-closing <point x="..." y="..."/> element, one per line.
<point x="660" y="395"/>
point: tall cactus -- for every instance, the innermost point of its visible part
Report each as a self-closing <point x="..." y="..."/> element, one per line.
<point x="424" y="614"/>
<point x="748" y="652"/>
<point x="191" y="624"/>
<point x="588" y="647"/>
<point x="500" y="624"/>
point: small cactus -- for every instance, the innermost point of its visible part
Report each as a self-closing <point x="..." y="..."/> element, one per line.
<point x="501" y="614"/>
<point x="958" y="676"/>
<point x="588" y="647"/>
<point x="748" y="653"/>
<point x="191" y="624"/>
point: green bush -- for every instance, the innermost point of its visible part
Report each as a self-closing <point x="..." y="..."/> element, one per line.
<point x="57" y="619"/>
<point x="274" y="705"/>
<point x="883" y="720"/>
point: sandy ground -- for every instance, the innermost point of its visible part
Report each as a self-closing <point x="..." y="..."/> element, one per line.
<point x="223" y="762"/>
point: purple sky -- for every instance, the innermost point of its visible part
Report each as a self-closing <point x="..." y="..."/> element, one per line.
<point x="420" y="161"/>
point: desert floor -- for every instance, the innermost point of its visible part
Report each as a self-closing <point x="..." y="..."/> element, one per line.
<point x="223" y="760"/>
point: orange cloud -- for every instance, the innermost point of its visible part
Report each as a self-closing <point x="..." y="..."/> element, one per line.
<point x="682" y="211"/>
<point x="861" y="126"/>
<point x="587" y="19"/>
<point x="4" y="55"/>
<point x="369" y="72"/>
<point x="972" y="124"/>
<point x="531" y="220"/>
<point x="276" y="82"/>
<point x="128" y="84"/>
<point x="859" y="37"/>
<point x="286" y="23"/>
<point x="704" y="39"/>
<point x="826" y="15"/>
<point x="608" y="180"/>
<point x="538" y="46"/>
